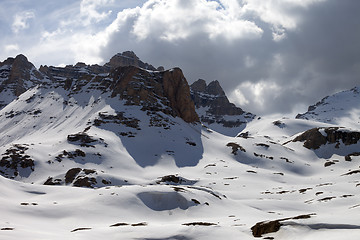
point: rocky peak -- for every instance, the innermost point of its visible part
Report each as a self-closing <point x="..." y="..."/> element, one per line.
<point x="138" y="83"/>
<point x="129" y="58"/>
<point x="18" y="71"/>
<point x="214" y="108"/>
<point x="16" y="76"/>
<point x="214" y="88"/>
<point x="166" y="91"/>
<point x="199" y="86"/>
<point x="213" y="97"/>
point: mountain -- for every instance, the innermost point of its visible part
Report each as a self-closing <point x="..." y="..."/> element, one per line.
<point x="16" y="76"/>
<point x="342" y="108"/>
<point x="91" y="151"/>
<point x="215" y="109"/>
<point x="129" y="58"/>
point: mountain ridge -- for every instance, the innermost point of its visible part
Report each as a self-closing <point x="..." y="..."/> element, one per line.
<point x="340" y="108"/>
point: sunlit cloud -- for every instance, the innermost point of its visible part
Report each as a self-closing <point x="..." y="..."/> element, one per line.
<point x="21" y="20"/>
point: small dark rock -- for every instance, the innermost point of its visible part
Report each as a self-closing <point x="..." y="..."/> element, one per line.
<point x="235" y="147"/>
<point x="195" y="201"/>
<point x="327" y="164"/>
<point x="199" y="224"/>
<point x="261" y="228"/>
<point x="71" y="174"/>
<point x="119" y="224"/>
<point x="85" y="182"/>
<point x="80" y="229"/>
<point x="170" y="178"/>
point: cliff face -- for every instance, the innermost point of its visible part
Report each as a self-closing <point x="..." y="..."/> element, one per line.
<point x="166" y="91"/>
<point x="126" y="76"/>
<point x="16" y="76"/>
<point x="214" y="107"/>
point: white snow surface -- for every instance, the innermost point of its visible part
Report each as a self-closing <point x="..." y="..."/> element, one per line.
<point x="342" y="108"/>
<point x="274" y="179"/>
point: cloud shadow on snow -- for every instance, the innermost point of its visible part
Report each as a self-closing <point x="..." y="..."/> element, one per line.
<point x="184" y="146"/>
<point x="319" y="226"/>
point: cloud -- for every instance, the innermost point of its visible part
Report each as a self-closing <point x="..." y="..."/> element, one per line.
<point x="11" y="48"/>
<point x="174" y="20"/>
<point x="21" y="20"/>
<point x="89" y="10"/>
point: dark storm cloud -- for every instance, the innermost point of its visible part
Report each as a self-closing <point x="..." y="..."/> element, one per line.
<point x="323" y="55"/>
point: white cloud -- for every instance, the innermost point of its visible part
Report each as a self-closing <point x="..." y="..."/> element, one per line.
<point x="11" y="48"/>
<point x="281" y="14"/>
<point x="256" y="94"/>
<point x="238" y="97"/>
<point x="89" y="10"/>
<point x="173" y="20"/>
<point x="21" y="20"/>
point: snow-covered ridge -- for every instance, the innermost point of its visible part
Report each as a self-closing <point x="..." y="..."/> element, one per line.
<point x="342" y="108"/>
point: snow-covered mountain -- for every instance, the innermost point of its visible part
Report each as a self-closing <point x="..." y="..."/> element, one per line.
<point x="120" y="152"/>
<point x="342" y="108"/>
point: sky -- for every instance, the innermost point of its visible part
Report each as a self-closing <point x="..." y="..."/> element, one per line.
<point x="270" y="56"/>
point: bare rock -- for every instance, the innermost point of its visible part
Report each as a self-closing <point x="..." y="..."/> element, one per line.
<point x="235" y="147"/>
<point x="313" y="139"/>
<point x="129" y="58"/>
<point x="140" y="87"/>
<point x="16" y="76"/>
<point x="84" y="182"/>
<point x="71" y="174"/>
<point x="265" y="227"/>
<point x="261" y="228"/>
<point x="177" y="90"/>
<point x="14" y="159"/>
<point x="213" y="98"/>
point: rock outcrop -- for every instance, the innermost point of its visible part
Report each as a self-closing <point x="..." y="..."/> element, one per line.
<point x="316" y="137"/>
<point x="139" y="83"/>
<point x="213" y="106"/>
<point x="166" y="91"/>
<point x="16" y="76"/>
<point x="129" y="58"/>
<point x="265" y="227"/>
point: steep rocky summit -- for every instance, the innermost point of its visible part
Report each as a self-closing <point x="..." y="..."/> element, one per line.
<point x="16" y="76"/>
<point x="129" y="58"/>
<point x="166" y="91"/>
<point x="130" y="79"/>
<point x="215" y="109"/>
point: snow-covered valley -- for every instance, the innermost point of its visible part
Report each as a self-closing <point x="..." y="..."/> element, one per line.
<point x="85" y="161"/>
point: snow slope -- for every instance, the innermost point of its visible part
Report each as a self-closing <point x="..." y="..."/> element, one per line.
<point x="233" y="192"/>
<point x="342" y="108"/>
